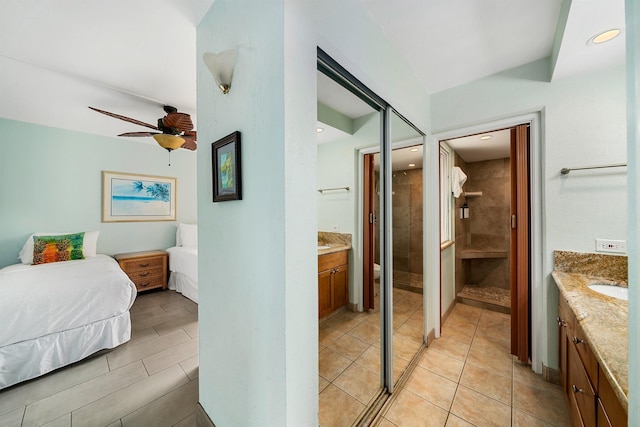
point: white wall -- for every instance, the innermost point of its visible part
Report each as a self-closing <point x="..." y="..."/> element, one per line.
<point x="258" y="301"/>
<point x="51" y="180"/>
<point x="448" y="277"/>
<point x="583" y="124"/>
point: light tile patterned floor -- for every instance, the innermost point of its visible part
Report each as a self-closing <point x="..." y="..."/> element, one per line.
<point x="468" y="378"/>
<point x="349" y="356"/>
<point x="465" y="378"/>
<point x="150" y="381"/>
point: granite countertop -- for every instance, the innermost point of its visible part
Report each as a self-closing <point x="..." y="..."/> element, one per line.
<point x="604" y="320"/>
<point x="329" y="242"/>
<point x="332" y="247"/>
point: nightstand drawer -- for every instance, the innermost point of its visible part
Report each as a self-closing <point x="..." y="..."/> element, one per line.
<point x="149" y="283"/>
<point x="132" y="265"/>
<point x="140" y="276"/>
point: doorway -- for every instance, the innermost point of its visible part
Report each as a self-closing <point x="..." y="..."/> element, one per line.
<point x="486" y="257"/>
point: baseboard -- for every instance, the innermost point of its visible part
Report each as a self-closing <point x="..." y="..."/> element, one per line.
<point x="551" y="375"/>
<point x="353" y="307"/>
<point x="430" y="337"/>
<point x="202" y="419"/>
<point x="447" y="312"/>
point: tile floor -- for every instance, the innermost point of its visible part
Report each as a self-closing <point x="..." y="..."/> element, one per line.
<point x="468" y="378"/>
<point x="150" y="381"/>
<point x="465" y="378"/>
<point x="349" y="356"/>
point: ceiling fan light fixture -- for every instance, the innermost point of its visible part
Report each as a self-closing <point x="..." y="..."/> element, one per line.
<point x="604" y="36"/>
<point x="169" y="142"/>
<point x="221" y="66"/>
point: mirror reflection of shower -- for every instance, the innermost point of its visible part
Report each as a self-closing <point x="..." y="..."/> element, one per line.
<point x="407" y="205"/>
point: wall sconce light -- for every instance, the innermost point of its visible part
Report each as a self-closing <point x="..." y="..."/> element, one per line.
<point x="220" y="66"/>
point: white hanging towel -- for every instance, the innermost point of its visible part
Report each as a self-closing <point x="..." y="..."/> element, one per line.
<point x="458" y="178"/>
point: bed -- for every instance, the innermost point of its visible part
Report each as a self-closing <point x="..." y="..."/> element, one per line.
<point x="58" y="313"/>
<point x="183" y="262"/>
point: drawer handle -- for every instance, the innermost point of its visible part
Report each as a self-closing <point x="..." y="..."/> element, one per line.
<point x="144" y="265"/>
<point x="145" y="284"/>
<point x="577" y="340"/>
<point x="561" y="322"/>
<point x="144" y="274"/>
<point x="576" y="389"/>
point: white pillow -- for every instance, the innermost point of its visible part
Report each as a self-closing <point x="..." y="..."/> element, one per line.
<point x="187" y="235"/>
<point x="89" y="245"/>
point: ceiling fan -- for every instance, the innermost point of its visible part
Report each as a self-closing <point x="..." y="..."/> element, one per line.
<point x="175" y="129"/>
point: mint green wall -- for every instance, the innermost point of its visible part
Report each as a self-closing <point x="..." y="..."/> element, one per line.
<point x="633" y="149"/>
<point x="583" y="123"/>
<point x="337" y="167"/>
<point x="50" y="180"/>
<point x="242" y="273"/>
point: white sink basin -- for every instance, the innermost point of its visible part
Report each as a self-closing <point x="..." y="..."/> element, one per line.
<point x="320" y="247"/>
<point x="619" y="292"/>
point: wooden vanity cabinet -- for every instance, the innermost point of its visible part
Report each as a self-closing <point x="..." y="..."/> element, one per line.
<point x="591" y="399"/>
<point x="564" y="335"/>
<point x="582" y="395"/>
<point x="333" y="282"/>
<point x="609" y="411"/>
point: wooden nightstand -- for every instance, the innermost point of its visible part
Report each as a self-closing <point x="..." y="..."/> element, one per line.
<point x="148" y="269"/>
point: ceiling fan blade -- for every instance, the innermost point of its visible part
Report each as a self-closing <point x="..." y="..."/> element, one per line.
<point x="139" y="134"/>
<point x="189" y="140"/>
<point x="126" y="119"/>
<point x="189" y="144"/>
<point x="180" y="121"/>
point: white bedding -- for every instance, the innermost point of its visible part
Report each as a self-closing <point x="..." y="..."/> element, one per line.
<point x="58" y="313"/>
<point x="183" y="264"/>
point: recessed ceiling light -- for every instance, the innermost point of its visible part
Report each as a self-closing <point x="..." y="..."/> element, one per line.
<point x="485" y="137"/>
<point x="414" y="149"/>
<point x="319" y="130"/>
<point x="412" y="165"/>
<point x="605" y="36"/>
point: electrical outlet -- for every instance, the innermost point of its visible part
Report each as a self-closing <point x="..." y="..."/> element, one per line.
<point x="608" y="245"/>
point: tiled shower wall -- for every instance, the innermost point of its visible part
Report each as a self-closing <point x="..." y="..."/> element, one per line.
<point x="407" y="224"/>
<point x="488" y="225"/>
<point x="461" y="231"/>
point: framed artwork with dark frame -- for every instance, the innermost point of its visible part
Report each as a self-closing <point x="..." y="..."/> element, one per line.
<point x="227" y="168"/>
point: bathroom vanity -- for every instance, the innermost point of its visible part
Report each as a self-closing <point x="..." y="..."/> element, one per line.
<point x="333" y="271"/>
<point x="333" y="282"/>
<point x="593" y="346"/>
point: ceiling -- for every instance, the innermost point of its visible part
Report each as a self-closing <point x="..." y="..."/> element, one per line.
<point x="486" y="146"/>
<point x="130" y="57"/>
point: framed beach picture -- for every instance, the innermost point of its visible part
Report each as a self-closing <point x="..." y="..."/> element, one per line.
<point x="227" y="168"/>
<point x="131" y="197"/>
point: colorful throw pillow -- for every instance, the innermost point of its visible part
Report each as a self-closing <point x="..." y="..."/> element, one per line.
<point x="89" y="247"/>
<point x="64" y="247"/>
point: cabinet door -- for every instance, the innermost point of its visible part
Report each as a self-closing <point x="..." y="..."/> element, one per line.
<point x="325" y="294"/>
<point x="340" y="286"/>
<point x="563" y="341"/>
<point x="580" y="389"/>
<point x="609" y="404"/>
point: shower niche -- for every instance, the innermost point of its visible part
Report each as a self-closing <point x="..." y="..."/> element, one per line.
<point x="483" y="236"/>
